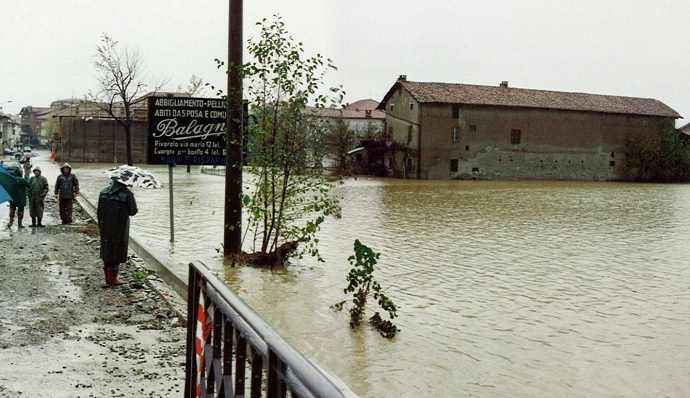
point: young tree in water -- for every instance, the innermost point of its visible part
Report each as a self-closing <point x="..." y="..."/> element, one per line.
<point x="291" y="194"/>
<point x="120" y="80"/>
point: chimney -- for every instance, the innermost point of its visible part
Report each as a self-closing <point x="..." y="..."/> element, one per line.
<point x="504" y="84"/>
<point x="402" y="78"/>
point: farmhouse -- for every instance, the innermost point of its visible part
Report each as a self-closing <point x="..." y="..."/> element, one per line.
<point x="462" y="131"/>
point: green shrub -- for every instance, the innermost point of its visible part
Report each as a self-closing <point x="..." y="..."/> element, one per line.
<point x="362" y="286"/>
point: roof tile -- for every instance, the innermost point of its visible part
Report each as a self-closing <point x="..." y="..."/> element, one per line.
<point x="452" y="93"/>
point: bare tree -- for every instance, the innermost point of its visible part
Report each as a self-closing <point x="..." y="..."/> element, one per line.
<point x="195" y="87"/>
<point x="121" y="80"/>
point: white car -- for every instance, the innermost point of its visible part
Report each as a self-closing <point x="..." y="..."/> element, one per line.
<point x="11" y="165"/>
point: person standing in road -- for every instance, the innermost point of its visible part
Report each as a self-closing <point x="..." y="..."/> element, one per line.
<point x="115" y="205"/>
<point x="37" y="195"/>
<point x="17" y="191"/>
<point x="66" y="190"/>
<point x="27" y="167"/>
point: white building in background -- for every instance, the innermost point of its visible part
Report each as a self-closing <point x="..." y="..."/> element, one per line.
<point x="10" y="128"/>
<point x="361" y="116"/>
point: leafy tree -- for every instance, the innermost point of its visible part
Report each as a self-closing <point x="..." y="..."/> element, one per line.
<point x="662" y="158"/>
<point x="121" y="80"/>
<point x="362" y="285"/>
<point x="338" y="141"/>
<point x="292" y="195"/>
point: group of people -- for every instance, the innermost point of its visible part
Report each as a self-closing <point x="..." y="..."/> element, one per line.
<point x="116" y="204"/>
<point x="35" y="189"/>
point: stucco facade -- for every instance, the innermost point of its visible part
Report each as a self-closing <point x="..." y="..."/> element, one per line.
<point x="456" y="140"/>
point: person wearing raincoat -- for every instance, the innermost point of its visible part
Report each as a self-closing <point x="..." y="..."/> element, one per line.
<point x="17" y="190"/>
<point x="26" y="165"/>
<point x="66" y="190"/>
<point x="115" y="205"/>
<point x="37" y="195"/>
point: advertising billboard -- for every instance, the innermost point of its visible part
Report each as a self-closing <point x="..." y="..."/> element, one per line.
<point x="186" y="131"/>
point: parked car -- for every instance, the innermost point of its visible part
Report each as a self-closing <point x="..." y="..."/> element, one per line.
<point x="8" y="151"/>
<point x="11" y="165"/>
<point x="27" y="149"/>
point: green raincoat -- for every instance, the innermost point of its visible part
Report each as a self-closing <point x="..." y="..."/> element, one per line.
<point x="16" y="187"/>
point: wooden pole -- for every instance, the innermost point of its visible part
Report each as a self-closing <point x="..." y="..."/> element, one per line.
<point x="232" y="237"/>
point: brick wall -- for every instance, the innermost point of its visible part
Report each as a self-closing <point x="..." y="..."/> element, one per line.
<point x="101" y="141"/>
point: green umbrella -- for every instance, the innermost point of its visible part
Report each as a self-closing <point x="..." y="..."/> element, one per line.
<point x="4" y="195"/>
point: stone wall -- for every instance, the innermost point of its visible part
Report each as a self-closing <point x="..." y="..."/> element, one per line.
<point x="485" y="142"/>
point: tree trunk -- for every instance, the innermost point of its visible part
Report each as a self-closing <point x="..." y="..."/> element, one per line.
<point x="128" y="142"/>
<point x="272" y="259"/>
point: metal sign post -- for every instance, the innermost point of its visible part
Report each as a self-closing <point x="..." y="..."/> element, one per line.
<point x="172" y="211"/>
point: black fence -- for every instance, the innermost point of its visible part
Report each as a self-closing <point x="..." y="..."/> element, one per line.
<point x="233" y="352"/>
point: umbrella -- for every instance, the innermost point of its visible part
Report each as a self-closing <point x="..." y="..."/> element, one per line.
<point x="30" y="154"/>
<point x="133" y="176"/>
<point x="4" y="195"/>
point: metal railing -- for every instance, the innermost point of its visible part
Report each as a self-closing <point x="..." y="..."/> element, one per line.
<point x="231" y="349"/>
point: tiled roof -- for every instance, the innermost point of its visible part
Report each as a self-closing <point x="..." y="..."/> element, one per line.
<point x="451" y="93"/>
<point x="685" y="127"/>
<point x="363" y="105"/>
<point x="363" y="109"/>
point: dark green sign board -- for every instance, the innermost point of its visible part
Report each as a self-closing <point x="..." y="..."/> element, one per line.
<point x="186" y="131"/>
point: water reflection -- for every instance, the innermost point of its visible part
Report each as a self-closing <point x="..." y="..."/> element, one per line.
<point x="521" y="289"/>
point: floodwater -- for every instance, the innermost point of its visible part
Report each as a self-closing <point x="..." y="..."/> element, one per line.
<point x="504" y="289"/>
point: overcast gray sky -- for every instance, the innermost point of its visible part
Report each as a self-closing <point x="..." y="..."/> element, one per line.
<point x="637" y="48"/>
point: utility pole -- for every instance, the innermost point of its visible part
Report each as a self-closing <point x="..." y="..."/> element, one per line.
<point x="232" y="237"/>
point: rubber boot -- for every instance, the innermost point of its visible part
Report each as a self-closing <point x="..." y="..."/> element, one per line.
<point x="33" y="222"/>
<point x="39" y="222"/>
<point x="107" y="277"/>
<point x="20" y="216"/>
<point x="113" y="281"/>
<point x="9" y="224"/>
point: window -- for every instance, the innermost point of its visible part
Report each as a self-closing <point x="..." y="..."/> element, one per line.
<point x="456" y="135"/>
<point x="473" y="128"/>
<point x="409" y="134"/>
<point x="467" y="147"/>
<point x="453" y="165"/>
<point x="411" y="105"/>
<point x="456" y="111"/>
<point x="359" y="157"/>
<point x="515" y="136"/>
<point x="392" y="105"/>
